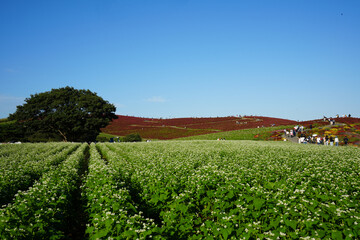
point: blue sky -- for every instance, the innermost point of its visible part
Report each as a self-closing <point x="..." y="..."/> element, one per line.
<point x="297" y="59"/>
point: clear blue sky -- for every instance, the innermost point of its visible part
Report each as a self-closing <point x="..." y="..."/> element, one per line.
<point x="296" y="59"/>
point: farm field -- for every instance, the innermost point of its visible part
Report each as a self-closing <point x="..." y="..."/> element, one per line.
<point x="180" y="190"/>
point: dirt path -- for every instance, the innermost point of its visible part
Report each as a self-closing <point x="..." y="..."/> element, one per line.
<point x="291" y="139"/>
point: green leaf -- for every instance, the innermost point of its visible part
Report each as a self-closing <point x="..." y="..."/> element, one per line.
<point x="324" y="215"/>
<point x="224" y="233"/>
<point x="108" y="223"/>
<point x="321" y="233"/>
<point x="293" y="235"/>
<point x="100" y="234"/>
<point x="309" y="224"/>
<point x="115" y="206"/>
<point x="210" y="193"/>
<point x="269" y="185"/>
<point x="256" y="214"/>
<point x="290" y="223"/>
<point x="182" y="208"/>
<point x="162" y="197"/>
<point x="230" y="194"/>
<point x="182" y="228"/>
<point x="348" y="234"/>
<point x="154" y="199"/>
<point x="275" y="223"/>
<point x="249" y="198"/>
<point x="208" y="223"/>
<point x="89" y="230"/>
<point x="337" y="235"/>
<point x="258" y="203"/>
<point x="197" y="221"/>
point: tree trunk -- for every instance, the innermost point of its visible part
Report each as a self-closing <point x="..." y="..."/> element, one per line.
<point x="63" y="135"/>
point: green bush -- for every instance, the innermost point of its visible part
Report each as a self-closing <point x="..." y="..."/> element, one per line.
<point x="134" y="137"/>
<point x="44" y="137"/>
<point x="10" y="131"/>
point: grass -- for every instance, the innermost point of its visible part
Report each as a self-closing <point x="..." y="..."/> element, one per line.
<point x="243" y="134"/>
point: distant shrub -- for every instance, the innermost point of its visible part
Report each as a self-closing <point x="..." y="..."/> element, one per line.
<point x="134" y="137"/>
<point x="102" y="139"/>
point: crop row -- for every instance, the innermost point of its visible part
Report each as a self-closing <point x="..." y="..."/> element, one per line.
<point x="41" y="212"/>
<point x="112" y="212"/>
<point x="20" y="169"/>
<point x="242" y="190"/>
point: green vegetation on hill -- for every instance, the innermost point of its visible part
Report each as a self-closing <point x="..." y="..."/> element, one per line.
<point x="244" y="134"/>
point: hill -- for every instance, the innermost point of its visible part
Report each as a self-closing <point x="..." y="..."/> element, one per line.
<point x="234" y="128"/>
<point x="154" y="128"/>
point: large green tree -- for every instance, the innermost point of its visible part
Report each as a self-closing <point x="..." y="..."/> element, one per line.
<point x="73" y="115"/>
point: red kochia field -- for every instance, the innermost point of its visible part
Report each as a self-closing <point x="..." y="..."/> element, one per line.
<point x="155" y="128"/>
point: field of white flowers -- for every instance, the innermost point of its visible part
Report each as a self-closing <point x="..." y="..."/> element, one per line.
<point x="191" y="190"/>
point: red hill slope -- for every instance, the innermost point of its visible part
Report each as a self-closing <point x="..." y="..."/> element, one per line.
<point x="153" y="128"/>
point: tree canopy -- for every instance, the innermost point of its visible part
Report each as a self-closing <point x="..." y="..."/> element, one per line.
<point x="73" y="115"/>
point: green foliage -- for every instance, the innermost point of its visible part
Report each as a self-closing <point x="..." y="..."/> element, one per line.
<point x="112" y="212"/>
<point x="72" y="115"/>
<point x="104" y="137"/>
<point x="10" y="131"/>
<point x="135" y="137"/>
<point x="240" y="190"/>
<point x="24" y="164"/>
<point x="42" y="211"/>
<point x="41" y="136"/>
<point x="182" y="190"/>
